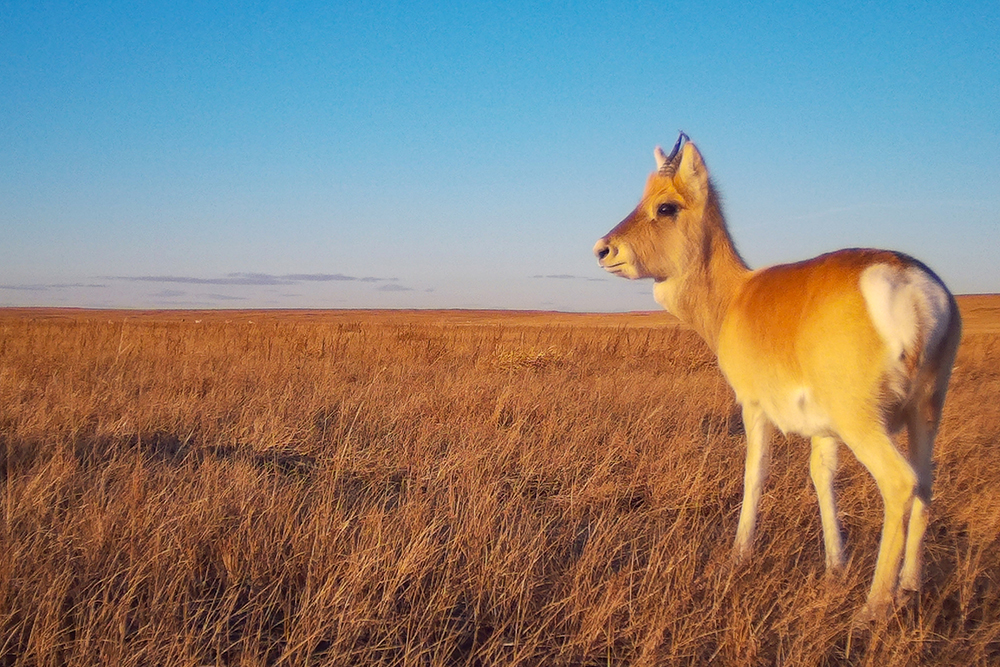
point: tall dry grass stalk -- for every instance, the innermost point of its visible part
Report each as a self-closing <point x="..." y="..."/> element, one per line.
<point x="418" y="490"/>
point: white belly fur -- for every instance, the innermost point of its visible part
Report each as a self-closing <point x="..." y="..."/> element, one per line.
<point x="797" y="412"/>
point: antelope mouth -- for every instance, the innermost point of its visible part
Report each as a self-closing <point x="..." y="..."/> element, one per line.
<point x="625" y="270"/>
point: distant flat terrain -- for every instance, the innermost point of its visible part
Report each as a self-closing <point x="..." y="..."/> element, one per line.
<point x="980" y="314"/>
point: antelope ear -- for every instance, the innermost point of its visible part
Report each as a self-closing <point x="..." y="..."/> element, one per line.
<point x="661" y="158"/>
<point x="692" y="174"/>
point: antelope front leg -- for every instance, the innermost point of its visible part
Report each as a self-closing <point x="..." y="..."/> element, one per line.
<point x="822" y="468"/>
<point x="758" y="430"/>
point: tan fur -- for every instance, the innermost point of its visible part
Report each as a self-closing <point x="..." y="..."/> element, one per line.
<point x="846" y="347"/>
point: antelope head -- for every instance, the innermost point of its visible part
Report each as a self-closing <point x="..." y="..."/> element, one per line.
<point x="664" y="233"/>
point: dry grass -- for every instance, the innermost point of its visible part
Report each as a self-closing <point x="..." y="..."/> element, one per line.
<point x="443" y="489"/>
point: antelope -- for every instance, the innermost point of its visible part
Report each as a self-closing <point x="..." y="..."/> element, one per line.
<point x="846" y="347"/>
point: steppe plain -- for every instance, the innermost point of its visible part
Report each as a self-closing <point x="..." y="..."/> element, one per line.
<point x="447" y="488"/>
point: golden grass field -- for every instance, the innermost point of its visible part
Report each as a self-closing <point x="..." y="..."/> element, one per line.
<point x="446" y="488"/>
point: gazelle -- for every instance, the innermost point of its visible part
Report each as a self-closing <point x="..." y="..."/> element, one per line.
<point x="845" y="347"/>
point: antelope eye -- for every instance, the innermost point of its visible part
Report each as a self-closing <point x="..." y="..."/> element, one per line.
<point x="667" y="210"/>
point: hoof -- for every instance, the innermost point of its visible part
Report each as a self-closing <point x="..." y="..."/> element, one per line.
<point x="835" y="574"/>
<point x="739" y="556"/>
<point x="835" y="566"/>
<point x="907" y="597"/>
<point x="909" y="583"/>
<point x="872" y="611"/>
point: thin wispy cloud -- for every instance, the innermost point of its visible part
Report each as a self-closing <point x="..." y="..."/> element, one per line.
<point x="46" y="287"/>
<point x="26" y="288"/>
<point x="392" y="287"/>
<point x="254" y="279"/>
<point x="331" y="277"/>
<point x="231" y="279"/>
<point x="225" y="297"/>
<point x="567" y="276"/>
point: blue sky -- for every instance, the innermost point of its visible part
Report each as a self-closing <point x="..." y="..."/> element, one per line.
<point x="438" y="154"/>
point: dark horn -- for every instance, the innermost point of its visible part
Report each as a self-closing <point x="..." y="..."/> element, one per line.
<point x="673" y="160"/>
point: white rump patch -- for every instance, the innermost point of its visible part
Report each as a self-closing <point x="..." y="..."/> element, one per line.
<point x="906" y="306"/>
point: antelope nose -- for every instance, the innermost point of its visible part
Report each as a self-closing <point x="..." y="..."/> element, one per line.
<point x="602" y="249"/>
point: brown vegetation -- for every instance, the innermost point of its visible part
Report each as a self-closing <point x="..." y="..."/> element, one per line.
<point x="444" y="489"/>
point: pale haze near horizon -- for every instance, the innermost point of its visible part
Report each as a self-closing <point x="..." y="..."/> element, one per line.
<point x="429" y="155"/>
